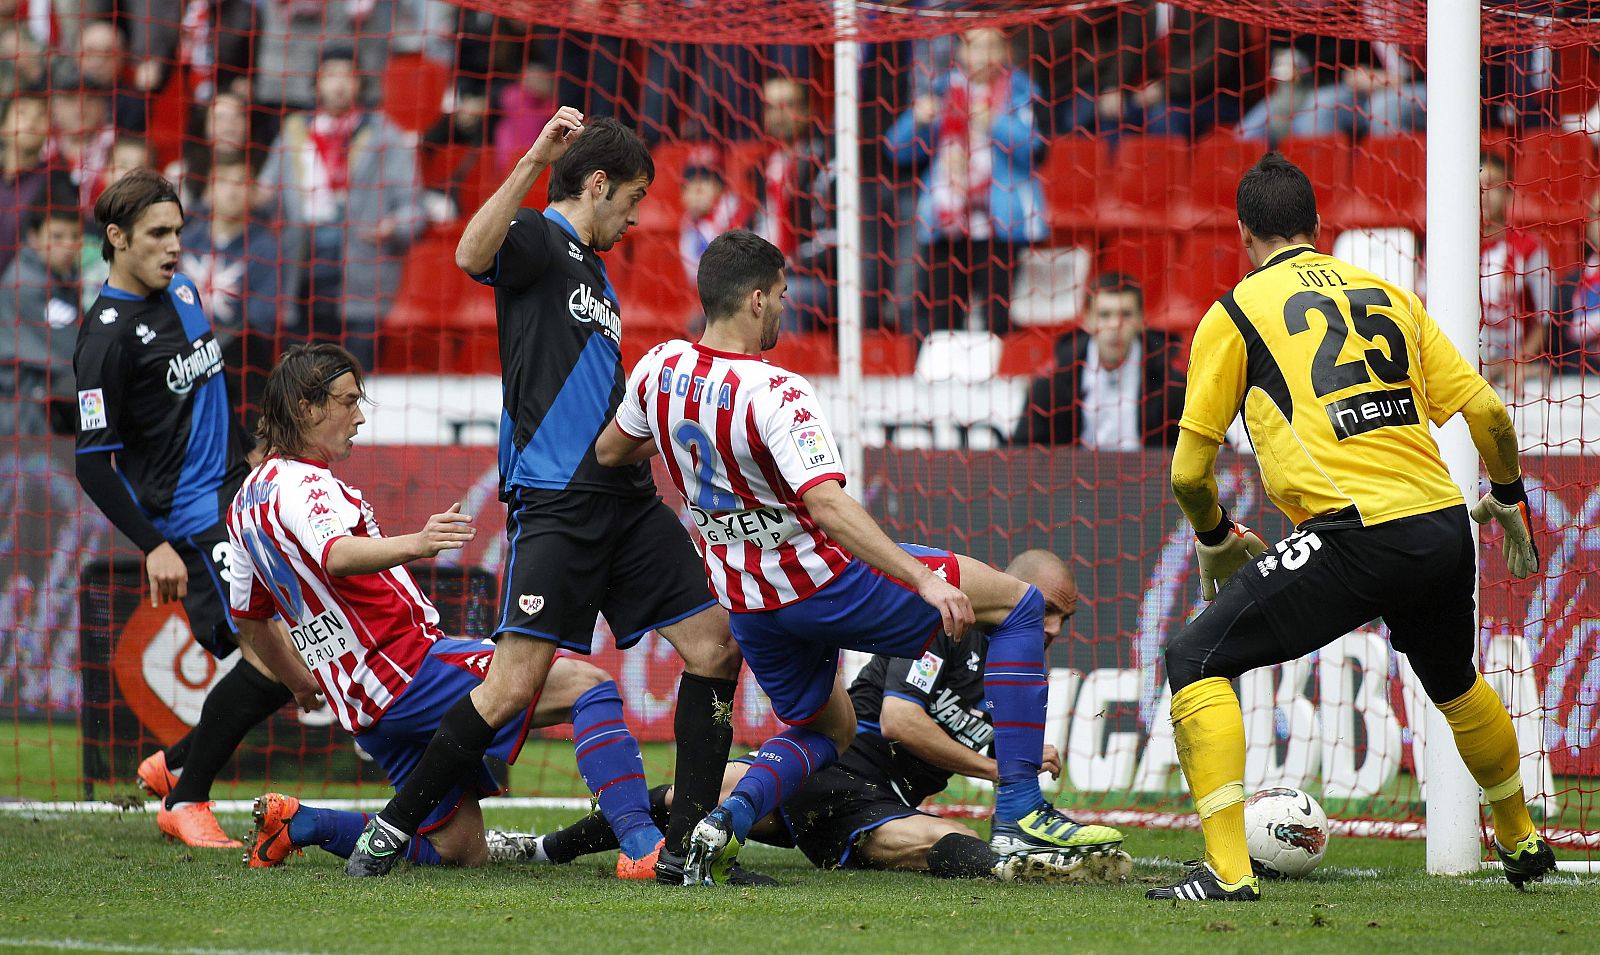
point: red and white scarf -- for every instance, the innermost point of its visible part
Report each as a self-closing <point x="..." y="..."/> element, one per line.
<point x="327" y="164"/>
<point x="964" y="156"/>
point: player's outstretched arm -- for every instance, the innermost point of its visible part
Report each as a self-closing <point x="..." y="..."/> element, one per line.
<point x="269" y="641"/>
<point x="350" y="556"/>
<point x="849" y="523"/>
<point x="907" y="724"/>
<point x="486" y="232"/>
<point x="1221" y="545"/>
<point x="1507" y="501"/>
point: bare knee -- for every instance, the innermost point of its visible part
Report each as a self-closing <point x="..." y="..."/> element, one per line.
<point x="706" y="644"/>
<point x="568" y="680"/>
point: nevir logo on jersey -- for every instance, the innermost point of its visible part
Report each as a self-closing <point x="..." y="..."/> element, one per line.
<point x="1372" y="410"/>
<point x="588" y="307"/>
<point x="199" y="364"/>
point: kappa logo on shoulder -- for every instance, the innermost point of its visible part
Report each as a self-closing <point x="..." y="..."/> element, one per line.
<point x="530" y="604"/>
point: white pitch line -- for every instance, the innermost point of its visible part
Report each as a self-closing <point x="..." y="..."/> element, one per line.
<point x="246" y="805"/>
<point x="84" y="945"/>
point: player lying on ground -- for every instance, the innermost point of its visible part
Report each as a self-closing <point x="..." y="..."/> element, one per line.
<point x="584" y="540"/>
<point x="160" y="452"/>
<point x="1341" y="431"/>
<point x="919" y="722"/>
<point x="806" y="571"/>
<point x="307" y="546"/>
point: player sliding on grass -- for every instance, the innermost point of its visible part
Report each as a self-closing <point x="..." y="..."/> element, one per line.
<point x="1341" y="430"/>
<point x="919" y="722"/>
<point x="806" y="571"/>
<point x="307" y="546"/>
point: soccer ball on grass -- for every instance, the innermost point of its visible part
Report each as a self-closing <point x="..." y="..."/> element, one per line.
<point x="1286" y="831"/>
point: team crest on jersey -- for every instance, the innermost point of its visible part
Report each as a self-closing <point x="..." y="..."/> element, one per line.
<point x="925" y="671"/>
<point x="107" y="316"/>
<point x="530" y="604"/>
<point x="812" y="443"/>
<point x="185" y="294"/>
<point x="91" y="409"/>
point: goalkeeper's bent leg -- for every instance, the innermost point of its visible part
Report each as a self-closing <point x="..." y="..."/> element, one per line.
<point x="1488" y="745"/>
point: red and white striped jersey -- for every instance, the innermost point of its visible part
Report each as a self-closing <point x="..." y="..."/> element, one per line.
<point x="743" y="440"/>
<point x="363" y="636"/>
<point x="1515" y="284"/>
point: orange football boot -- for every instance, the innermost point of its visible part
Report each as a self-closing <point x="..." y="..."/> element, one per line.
<point x="194" y="825"/>
<point x="639" y="869"/>
<point x="269" y="842"/>
<point x="154" y="777"/>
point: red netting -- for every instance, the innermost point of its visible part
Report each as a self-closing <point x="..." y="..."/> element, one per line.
<point x="1089" y="150"/>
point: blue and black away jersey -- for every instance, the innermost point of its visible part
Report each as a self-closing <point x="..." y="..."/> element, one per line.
<point x="947" y="681"/>
<point x="151" y="392"/>
<point x="560" y="360"/>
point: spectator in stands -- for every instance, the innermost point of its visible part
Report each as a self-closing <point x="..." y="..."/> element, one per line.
<point x="39" y="322"/>
<point x="210" y="41"/>
<point x="710" y="208"/>
<point x="292" y="37"/>
<point x="978" y="201"/>
<point x="1516" y="283"/>
<point x="1577" y="307"/>
<point x="236" y="261"/>
<point x="796" y="212"/>
<point x="1205" y="74"/>
<point x="1090" y="64"/>
<point x="224" y="128"/>
<point x="345" y="184"/>
<point x="101" y="64"/>
<point x="28" y="183"/>
<point x="81" y="138"/>
<point x="23" y="63"/>
<point x="700" y="91"/>
<point x="525" y="106"/>
<point x="1304" y="98"/>
<point x="1116" y="385"/>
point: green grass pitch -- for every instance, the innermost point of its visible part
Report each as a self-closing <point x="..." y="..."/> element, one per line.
<point x="109" y="883"/>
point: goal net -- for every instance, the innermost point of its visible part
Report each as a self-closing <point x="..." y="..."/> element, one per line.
<point x="993" y="285"/>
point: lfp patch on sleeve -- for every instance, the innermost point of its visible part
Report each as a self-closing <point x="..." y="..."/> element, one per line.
<point x="91" y="409"/>
<point x="814" y="447"/>
<point x="925" y="671"/>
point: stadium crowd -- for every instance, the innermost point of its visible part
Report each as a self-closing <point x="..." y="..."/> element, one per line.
<point x="309" y="176"/>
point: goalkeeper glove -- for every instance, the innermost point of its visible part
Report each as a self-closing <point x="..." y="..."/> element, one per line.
<point x="1508" y="504"/>
<point x="1221" y="551"/>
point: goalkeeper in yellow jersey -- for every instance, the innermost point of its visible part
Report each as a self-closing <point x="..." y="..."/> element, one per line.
<point x="1337" y="373"/>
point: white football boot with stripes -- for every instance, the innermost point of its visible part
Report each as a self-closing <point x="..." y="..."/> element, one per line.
<point x="1203" y="885"/>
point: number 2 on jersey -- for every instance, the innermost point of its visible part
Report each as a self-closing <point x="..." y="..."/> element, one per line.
<point x="280" y="576"/>
<point x="693" y="438"/>
<point x="1328" y="374"/>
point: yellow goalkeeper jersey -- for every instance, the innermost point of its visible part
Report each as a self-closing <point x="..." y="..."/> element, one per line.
<point x="1338" y="373"/>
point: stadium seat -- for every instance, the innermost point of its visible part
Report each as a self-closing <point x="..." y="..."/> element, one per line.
<point x="1049" y="285"/>
<point x="1028" y="352"/>
<point x="1147" y="256"/>
<point x="413" y="90"/>
<point x="662" y="209"/>
<point x="1219" y="160"/>
<point x="1554" y="172"/>
<point x="1389" y="253"/>
<point x="1388" y="183"/>
<point x="959" y="356"/>
<point x="1144" y="181"/>
<point x="1071" y="176"/>
<point x="651" y="285"/>
<point x="887" y="353"/>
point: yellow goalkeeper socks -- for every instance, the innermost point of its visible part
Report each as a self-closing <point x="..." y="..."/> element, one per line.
<point x="1488" y="745"/>
<point x="1208" y="728"/>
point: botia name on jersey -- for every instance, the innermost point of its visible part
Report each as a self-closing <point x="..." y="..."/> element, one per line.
<point x="588" y="307"/>
<point x="324" y="638"/>
<point x="681" y="383"/>
<point x="765" y="527"/>
<point x="197" y="365"/>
